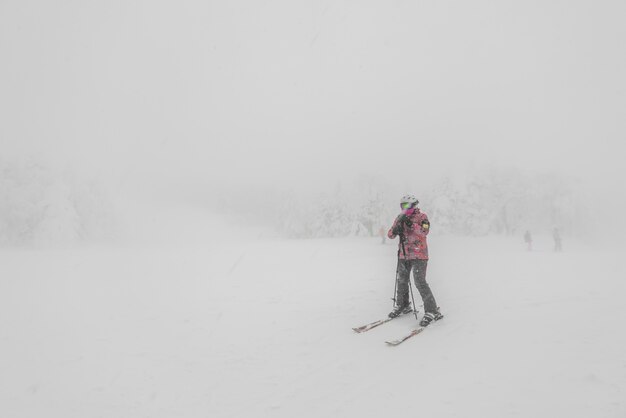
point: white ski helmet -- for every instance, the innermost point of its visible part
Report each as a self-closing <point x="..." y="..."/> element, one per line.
<point x="409" y="198"/>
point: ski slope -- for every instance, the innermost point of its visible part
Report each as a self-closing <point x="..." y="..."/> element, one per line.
<point x="224" y="322"/>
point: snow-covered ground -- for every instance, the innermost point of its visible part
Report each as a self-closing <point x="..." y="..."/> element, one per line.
<point x="233" y="322"/>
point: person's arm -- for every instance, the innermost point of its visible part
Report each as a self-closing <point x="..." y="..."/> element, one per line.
<point x="396" y="228"/>
<point x="424" y="226"/>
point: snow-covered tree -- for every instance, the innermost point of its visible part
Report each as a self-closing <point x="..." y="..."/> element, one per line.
<point x="493" y="200"/>
<point x="41" y="205"/>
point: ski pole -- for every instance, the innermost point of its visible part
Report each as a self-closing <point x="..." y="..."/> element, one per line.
<point x="410" y="285"/>
<point x="412" y="298"/>
<point x="395" y="289"/>
<point x="402" y="244"/>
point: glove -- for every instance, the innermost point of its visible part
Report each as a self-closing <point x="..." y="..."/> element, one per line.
<point x="425" y="224"/>
<point x="397" y="230"/>
<point x="403" y="219"/>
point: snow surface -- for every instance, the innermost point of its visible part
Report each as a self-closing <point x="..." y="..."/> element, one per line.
<point x="233" y="322"/>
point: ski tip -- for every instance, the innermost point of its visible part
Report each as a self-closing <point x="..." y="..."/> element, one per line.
<point x="412" y="334"/>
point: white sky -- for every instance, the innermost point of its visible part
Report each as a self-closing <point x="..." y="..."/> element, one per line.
<point x="305" y="92"/>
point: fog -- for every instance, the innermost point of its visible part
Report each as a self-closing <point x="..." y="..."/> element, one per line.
<point x="195" y="195"/>
<point x="281" y="95"/>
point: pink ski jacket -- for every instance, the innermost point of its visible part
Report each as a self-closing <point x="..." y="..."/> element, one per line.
<point x="415" y="245"/>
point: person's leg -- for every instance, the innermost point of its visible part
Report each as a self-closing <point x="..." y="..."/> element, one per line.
<point x="419" y="275"/>
<point x="402" y="290"/>
<point x="402" y="304"/>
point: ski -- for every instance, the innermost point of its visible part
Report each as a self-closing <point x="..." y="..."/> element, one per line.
<point x="371" y="325"/>
<point x="433" y="318"/>
<point x="375" y="324"/>
<point x="406" y="337"/>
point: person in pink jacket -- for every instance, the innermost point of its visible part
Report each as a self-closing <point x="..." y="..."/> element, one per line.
<point x="412" y="227"/>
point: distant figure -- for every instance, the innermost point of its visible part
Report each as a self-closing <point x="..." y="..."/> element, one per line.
<point x="528" y="239"/>
<point x="557" y="240"/>
<point x="383" y="234"/>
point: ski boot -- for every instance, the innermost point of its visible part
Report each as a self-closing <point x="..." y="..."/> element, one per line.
<point x="400" y="310"/>
<point x="430" y="317"/>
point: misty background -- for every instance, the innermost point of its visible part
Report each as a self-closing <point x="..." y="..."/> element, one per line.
<point x="311" y="117"/>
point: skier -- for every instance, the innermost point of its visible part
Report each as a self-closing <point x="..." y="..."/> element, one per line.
<point x="382" y="234"/>
<point x="412" y="226"/>
<point x="557" y="240"/>
<point x="529" y="241"/>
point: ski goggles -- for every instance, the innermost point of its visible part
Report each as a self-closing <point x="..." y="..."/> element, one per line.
<point x="406" y="205"/>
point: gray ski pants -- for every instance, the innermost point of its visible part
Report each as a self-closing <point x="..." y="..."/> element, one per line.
<point x="418" y="267"/>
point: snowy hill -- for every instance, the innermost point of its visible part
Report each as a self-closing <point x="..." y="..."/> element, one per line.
<point x="238" y="325"/>
<point x="134" y="132"/>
